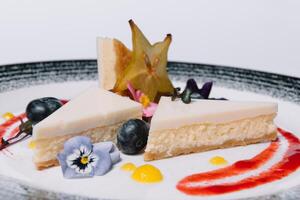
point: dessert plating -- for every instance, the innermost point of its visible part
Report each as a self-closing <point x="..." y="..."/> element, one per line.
<point x="134" y="85"/>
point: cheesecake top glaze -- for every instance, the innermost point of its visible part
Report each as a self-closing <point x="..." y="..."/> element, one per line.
<point x="174" y="114"/>
<point x="93" y="108"/>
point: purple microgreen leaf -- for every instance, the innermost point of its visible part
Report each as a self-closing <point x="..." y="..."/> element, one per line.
<point x="192" y="85"/>
<point x="206" y="89"/>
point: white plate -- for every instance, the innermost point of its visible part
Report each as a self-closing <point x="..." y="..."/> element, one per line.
<point x="117" y="184"/>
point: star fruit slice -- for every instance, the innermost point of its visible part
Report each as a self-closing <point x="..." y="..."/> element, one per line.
<point x="147" y="69"/>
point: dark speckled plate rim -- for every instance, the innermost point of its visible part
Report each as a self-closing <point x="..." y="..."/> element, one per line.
<point x="15" y="76"/>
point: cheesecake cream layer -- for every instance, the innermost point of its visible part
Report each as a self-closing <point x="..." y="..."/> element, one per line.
<point x="200" y="137"/>
<point x="175" y="114"/>
<point x="93" y="108"/>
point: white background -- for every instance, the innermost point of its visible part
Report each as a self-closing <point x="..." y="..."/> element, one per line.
<point x="258" y="34"/>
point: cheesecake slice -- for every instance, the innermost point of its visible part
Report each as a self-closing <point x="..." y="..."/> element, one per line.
<point x="178" y="128"/>
<point x="113" y="58"/>
<point x="96" y="113"/>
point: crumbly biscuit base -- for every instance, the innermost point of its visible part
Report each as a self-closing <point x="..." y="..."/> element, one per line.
<point x="148" y="156"/>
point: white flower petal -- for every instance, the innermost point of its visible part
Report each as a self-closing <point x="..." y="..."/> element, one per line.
<point x="70" y="159"/>
<point x="76" y="152"/>
<point x="78" y="170"/>
<point x="72" y="166"/>
<point x="85" y="150"/>
<point x="88" y="169"/>
<point x="95" y="159"/>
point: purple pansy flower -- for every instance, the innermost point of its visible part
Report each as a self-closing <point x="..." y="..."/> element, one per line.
<point x="80" y="158"/>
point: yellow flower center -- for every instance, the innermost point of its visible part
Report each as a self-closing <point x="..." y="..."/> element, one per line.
<point x="145" y="101"/>
<point x="84" y="160"/>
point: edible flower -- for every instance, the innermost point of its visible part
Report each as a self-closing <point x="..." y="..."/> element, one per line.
<point x="137" y="95"/>
<point x="80" y="158"/>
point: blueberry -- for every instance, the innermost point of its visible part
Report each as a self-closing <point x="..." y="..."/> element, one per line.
<point x="52" y="103"/>
<point x="39" y="109"/>
<point x="132" y="136"/>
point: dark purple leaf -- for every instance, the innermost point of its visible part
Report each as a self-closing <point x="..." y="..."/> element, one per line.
<point x="206" y="89"/>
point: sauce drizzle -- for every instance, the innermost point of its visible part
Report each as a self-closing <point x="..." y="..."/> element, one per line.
<point x="6" y="125"/>
<point x="287" y="165"/>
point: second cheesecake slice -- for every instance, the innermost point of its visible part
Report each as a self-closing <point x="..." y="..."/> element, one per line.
<point x="178" y="128"/>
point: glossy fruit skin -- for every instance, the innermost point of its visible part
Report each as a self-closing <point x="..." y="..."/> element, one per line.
<point x="39" y="109"/>
<point x="132" y="136"/>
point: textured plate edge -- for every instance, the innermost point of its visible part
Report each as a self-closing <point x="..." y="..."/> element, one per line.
<point x="16" y="76"/>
